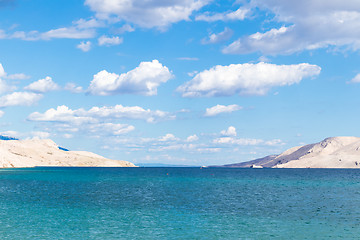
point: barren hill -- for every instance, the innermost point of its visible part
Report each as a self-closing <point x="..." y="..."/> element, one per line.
<point x="32" y="153"/>
<point x="333" y="152"/>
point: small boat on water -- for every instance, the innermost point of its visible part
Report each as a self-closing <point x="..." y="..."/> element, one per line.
<point x="256" y="166"/>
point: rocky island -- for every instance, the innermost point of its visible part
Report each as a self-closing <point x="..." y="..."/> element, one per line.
<point x="46" y="153"/>
<point x="333" y="152"/>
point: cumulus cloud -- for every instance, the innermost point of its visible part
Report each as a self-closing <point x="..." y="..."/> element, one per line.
<point x="72" y="87"/>
<point x="308" y="25"/>
<point x="17" y="76"/>
<point x="239" y="14"/>
<point x="218" y="109"/>
<point x="246" y="79"/>
<point x="62" y="114"/>
<point x="109" y="41"/>
<point x="135" y="112"/>
<point x="43" y="86"/>
<point x="231" y="131"/>
<point x="96" y="114"/>
<point x="4" y="87"/>
<point x="40" y="135"/>
<point x="113" y="128"/>
<point x="19" y="99"/>
<point x="168" y="137"/>
<point x="147" y="14"/>
<point x="356" y="79"/>
<point x="125" y="28"/>
<point x="220" y="37"/>
<point x="91" y="23"/>
<point x="143" y="80"/>
<point x="84" y="46"/>
<point x="96" y="121"/>
<point x="1" y="113"/>
<point x="192" y="138"/>
<point x="2" y="71"/>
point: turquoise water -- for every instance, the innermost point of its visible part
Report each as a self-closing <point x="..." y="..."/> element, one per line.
<point x="179" y="203"/>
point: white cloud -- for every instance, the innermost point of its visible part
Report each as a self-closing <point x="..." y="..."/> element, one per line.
<point x="168" y="137"/>
<point x="188" y="58"/>
<point x="220" y="37"/>
<point x="68" y="135"/>
<point x="1" y="113"/>
<point x="125" y="28"/>
<point x="143" y="80"/>
<point x="109" y="41"/>
<point x="274" y="142"/>
<point x="356" y="79"/>
<point x="246" y="79"/>
<point x="69" y="32"/>
<point x="91" y="23"/>
<point x="2" y="71"/>
<point x="308" y="25"/>
<point x="10" y="133"/>
<point x="40" y="135"/>
<point x="113" y="128"/>
<point x="3" y="35"/>
<point x="96" y="121"/>
<point x="65" y="32"/>
<point x="84" y="46"/>
<point x="72" y="87"/>
<point x="19" y="99"/>
<point x="62" y="114"/>
<point x="135" y="112"/>
<point x="218" y="109"/>
<point x="238" y="141"/>
<point x="4" y="87"/>
<point x="231" y="131"/>
<point x="239" y="14"/>
<point x="192" y="138"/>
<point x="147" y="14"/>
<point x="43" y="86"/>
<point x="98" y="114"/>
<point x="17" y="76"/>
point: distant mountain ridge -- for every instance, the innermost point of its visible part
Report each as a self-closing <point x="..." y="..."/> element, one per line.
<point x="5" y="138"/>
<point x="333" y="152"/>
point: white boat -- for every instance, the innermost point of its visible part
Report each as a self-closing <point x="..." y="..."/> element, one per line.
<point x="256" y="166"/>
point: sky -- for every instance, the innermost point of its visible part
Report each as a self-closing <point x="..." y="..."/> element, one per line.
<point x="190" y="82"/>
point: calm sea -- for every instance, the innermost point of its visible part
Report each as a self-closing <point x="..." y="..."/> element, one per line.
<point x="179" y="203"/>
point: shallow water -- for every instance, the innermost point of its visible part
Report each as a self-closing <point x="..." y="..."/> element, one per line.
<point x="179" y="203"/>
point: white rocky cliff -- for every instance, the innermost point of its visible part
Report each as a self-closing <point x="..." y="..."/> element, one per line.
<point x="32" y="153"/>
<point x="334" y="152"/>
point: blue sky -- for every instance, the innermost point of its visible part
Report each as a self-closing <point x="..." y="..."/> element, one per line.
<point x="194" y="82"/>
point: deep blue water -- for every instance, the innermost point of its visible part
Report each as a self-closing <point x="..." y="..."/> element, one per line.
<point x="179" y="203"/>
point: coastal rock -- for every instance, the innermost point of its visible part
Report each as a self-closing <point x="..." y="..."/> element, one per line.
<point x="33" y="153"/>
<point x="333" y="152"/>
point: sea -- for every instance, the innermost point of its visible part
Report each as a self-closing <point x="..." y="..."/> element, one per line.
<point x="179" y="203"/>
